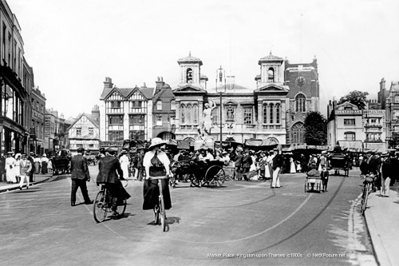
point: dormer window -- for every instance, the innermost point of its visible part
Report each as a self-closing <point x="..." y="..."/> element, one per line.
<point x="159" y="105"/>
<point x="270" y="75"/>
<point x="189" y="75"/>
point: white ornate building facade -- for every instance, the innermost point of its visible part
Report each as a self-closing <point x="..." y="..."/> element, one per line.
<point x="273" y="110"/>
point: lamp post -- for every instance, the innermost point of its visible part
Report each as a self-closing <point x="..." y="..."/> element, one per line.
<point x="220" y="75"/>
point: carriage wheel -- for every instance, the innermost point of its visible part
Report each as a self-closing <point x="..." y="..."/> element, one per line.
<point x="215" y="175"/>
<point x="220" y="177"/>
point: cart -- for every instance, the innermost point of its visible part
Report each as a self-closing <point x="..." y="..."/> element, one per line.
<point x="61" y="162"/>
<point x="199" y="173"/>
<point x="339" y="161"/>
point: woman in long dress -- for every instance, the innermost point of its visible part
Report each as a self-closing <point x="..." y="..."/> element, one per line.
<point x="124" y="161"/>
<point x="10" y="172"/>
<point x="17" y="167"/>
<point x="292" y="166"/>
<point x="156" y="164"/>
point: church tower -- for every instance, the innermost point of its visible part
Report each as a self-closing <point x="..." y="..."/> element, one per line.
<point x="271" y="71"/>
<point x="190" y="72"/>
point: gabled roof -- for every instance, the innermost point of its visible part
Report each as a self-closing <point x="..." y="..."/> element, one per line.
<point x="105" y="93"/>
<point x="188" y="88"/>
<point x="127" y="92"/>
<point x="347" y="104"/>
<point x="273" y="87"/>
<point x="164" y="89"/>
<point x="148" y="92"/>
<point x="89" y="117"/>
<point x="231" y="88"/>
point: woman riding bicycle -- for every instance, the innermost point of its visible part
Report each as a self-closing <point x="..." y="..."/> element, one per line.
<point x="156" y="164"/>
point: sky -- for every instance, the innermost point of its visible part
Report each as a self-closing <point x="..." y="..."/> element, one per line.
<point x="73" y="45"/>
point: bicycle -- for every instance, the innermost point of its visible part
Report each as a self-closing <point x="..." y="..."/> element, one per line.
<point x="159" y="209"/>
<point x="103" y="205"/>
<point x="367" y="187"/>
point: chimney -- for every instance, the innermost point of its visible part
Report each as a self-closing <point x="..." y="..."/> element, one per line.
<point x="108" y="83"/>
<point x="159" y="83"/>
<point x="382" y="84"/>
<point x="95" y="112"/>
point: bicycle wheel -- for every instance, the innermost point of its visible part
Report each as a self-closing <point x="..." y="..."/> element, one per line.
<point x="99" y="207"/>
<point x="162" y="213"/>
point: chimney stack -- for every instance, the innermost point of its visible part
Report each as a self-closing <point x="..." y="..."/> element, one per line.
<point x="108" y="83"/>
<point x="95" y="112"/>
<point x="159" y="83"/>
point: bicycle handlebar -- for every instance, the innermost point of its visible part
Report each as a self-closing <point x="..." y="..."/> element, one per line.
<point x="158" y="177"/>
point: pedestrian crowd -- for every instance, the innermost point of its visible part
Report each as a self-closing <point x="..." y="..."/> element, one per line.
<point x="20" y="167"/>
<point x="383" y="166"/>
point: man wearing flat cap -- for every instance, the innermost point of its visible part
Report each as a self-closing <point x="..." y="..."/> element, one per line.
<point x="79" y="175"/>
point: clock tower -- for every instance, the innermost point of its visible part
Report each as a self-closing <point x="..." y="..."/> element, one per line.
<point x="303" y="81"/>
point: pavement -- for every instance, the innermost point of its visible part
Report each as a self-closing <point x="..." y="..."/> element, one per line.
<point x="381" y="218"/>
<point x="39" y="178"/>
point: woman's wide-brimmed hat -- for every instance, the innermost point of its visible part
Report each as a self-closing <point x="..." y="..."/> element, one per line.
<point x="155" y="142"/>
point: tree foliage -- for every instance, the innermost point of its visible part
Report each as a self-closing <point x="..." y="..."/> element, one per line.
<point x="315" y="129"/>
<point x="355" y="97"/>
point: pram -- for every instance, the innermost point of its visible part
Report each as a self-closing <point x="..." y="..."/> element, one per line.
<point x="313" y="181"/>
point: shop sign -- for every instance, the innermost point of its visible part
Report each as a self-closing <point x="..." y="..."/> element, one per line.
<point x="37" y="115"/>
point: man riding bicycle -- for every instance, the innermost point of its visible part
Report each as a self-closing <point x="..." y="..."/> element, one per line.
<point x="110" y="174"/>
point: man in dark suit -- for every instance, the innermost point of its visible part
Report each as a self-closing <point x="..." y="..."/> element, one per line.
<point x="31" y="160"/>
<point x="79" y="175"/>
<point x="110" y="173"/>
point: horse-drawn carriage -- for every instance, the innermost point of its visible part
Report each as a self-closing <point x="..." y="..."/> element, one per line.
<point x="199" y="173"/>
<point x="339" y="161"/>
<point x="61" y="162"/>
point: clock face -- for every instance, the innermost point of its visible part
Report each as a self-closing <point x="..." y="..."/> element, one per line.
<point x="300" y="81"/>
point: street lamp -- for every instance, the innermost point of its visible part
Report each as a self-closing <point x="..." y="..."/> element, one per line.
<point x="220" y="75"/>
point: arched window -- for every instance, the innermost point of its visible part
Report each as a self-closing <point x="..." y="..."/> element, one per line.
<point x="188" y="114"/>
<point x="189" y="75"/>
<point x="172" y="105"/>
<point x="265" y="114"/>
<point x="270" y="75"/>
<point x="182" y="114"/>
<point x="195" y="113"/>
<point x="298" y="133"/>
<point x="300" y="101"/>
<point x="278" y="113"/>
<point x="159" y="105"/>
<point x="271" y="113"/>
<point x="396" y="100"/>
